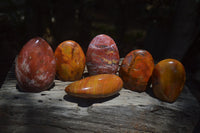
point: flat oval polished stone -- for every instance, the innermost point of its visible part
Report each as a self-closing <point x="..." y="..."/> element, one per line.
<point x="168" y="79"/>
<point x="98" y="86"/>
<point x="102" y="56"/>
<point x="70" y="61"/>
<point x="136" y="70"/>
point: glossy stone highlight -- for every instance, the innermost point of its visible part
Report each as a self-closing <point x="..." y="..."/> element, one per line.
<point x="168" y="79"/>
<point x="102" y="56"/>
<point x="136" y="70"/>
<point x="35" y="66"/>
<point x="98" y="86"/>
<point x="70" y="61"/>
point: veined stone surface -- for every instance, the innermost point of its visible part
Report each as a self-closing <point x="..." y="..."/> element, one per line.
<point x="98" y="86"/>
<point x="35" y="66"/>
<point x="136" y="70"/>
<point x="168" y="79"/>
<point x="102" y="56"/>
<point x="70" y="61"/>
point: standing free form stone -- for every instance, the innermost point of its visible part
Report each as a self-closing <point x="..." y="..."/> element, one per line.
<point x="70" y="61"/>
<point x="168" y="79"/>
<point x="136" y="70"/>
<point x="102" y="56"/>
<point x="35" y="66"/>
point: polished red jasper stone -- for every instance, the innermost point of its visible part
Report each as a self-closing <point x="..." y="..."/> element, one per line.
<point x="102" y="56"/>
<point x="97" y="86"/>
<point x="168" y="79"/>
<point x="70" y="61"/>
<point x="35" y="66"/>
<point x="136" y="70"/>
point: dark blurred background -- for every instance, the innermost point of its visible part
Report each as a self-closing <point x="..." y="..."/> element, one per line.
<point x="166" y="28"/>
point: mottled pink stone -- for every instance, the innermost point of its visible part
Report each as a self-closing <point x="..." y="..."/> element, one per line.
<point x="102" y="56"/>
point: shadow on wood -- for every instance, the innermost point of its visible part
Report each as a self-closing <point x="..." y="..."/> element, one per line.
<point x="22" y="90"/>
<point x="88" y="102"/>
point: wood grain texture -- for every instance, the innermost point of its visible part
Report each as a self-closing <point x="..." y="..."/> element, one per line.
<point x="54" y="111"/>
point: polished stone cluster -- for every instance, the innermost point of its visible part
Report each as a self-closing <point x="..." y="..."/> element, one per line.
<point x="37" y="65"/>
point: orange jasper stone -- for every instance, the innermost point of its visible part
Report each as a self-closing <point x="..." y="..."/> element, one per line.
<point x="98" y="86"/>
<point x="70" y="61"/>
<point x="136" y="70"/>
<point x="168" y="79"/>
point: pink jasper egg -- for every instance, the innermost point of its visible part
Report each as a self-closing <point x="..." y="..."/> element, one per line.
<point x="102" y="56"/>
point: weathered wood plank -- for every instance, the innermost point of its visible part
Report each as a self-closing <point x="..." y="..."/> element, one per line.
<point x="55" y="111"/>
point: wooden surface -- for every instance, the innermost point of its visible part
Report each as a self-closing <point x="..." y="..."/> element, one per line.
<point x="54" y="111"/>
